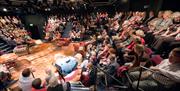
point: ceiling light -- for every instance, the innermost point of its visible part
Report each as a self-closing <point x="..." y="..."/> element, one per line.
<point x="4" y="9"/>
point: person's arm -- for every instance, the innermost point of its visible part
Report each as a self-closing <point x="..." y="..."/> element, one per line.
<point x="175" y="76"/>
<point x="104" y="51"/>
<point x="165" y="34"/>
<point x="162" y="29"/>
<point x="174" y="33"/>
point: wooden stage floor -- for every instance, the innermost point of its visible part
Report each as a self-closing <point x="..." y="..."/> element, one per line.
<point x="41" y="58"/>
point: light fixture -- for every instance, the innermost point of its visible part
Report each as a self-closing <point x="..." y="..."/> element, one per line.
<point x="4" y="9"/>
<point x="31" y="24"/>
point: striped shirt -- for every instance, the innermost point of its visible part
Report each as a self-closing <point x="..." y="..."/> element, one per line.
<point x="169" y="73"/>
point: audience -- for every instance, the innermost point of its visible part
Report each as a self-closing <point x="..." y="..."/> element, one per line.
<point x="12" y="31"/>
<point x="118" y="41"/>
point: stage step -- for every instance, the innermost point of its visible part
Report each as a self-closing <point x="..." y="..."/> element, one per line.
<point x="10" y="51"/>
<point x="80" y="89"/>
<point x="78" y="86"/>
<point x="3" y="46"/>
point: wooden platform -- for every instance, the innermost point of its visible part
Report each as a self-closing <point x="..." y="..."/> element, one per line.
<point x="40" y="58"/>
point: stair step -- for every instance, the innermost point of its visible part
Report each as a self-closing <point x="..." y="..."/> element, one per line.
<point x="1" y="44"/>
<point x="6" y="49"/>
<point x="10" y="51"/>
<point x="2" y="47"/>
<point x="80" y="89"/>
<point x="77" y="85"/>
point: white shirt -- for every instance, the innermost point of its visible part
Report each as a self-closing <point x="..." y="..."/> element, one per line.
<point x="25" y="83"/>
<point x="172" y="71"/>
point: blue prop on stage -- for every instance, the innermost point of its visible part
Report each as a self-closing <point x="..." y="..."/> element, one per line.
<point x="66" y="65"/>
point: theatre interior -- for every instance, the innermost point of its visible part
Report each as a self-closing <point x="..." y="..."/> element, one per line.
<point x="89" y="45"/>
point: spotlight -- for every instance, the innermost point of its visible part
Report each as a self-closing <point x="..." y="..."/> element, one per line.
<point x="146" y="6"/>
<point x="4" y="9"/>
<point x="31" y="25"/>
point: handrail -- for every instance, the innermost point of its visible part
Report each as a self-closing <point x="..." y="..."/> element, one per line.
<point x="111" y="77"/>
<point x="153" y="71"/>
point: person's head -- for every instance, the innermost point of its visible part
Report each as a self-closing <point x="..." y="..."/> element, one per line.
<point x="160" y="14"/>
<point x="174" y="56"/>
<point x="53" y="82"/>
<point x="112" y="51"/>
<point x="26" y="72"/>
<point x="112" y="58"/>
<point x="36" y="83"/>
<point x="151" y="14"/>
<point x="140" y="33"/>
<point x="167" y="14"/>
<point x="105" y="42"/>
<point x="176" y="16"/>
<point x="49" y="72"/>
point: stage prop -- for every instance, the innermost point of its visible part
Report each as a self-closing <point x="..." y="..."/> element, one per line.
<point x="65" y="64"/>
<point x="21" y="50"/>
<point x="63" y="42"/>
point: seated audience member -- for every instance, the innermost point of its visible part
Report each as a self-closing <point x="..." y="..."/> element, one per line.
<point x="169" y="35"/>
<point x="5" y="79"/>
<point x="152" y="26"/>
<point x="104" y="50"/>
<point x="54" y="85"/>
<point x="37" y="85"/>
<point x="110" y="69"/>
<point x="163" y="76"/>
<point x="137" y="57"/>
<point x="135" y="38"/>
<point x="167" y="21"/>
<point x="25" y="80"/>
<point x="138" y="37"/>
<point x="155" y="22"/>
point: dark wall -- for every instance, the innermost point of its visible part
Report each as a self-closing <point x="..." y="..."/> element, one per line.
<point x="38" y="22"/>
<point x="171" y="5"/>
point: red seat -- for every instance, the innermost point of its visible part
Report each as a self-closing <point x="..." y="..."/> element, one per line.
<point x="149" y="51"/>
<point x="156" y="59"/>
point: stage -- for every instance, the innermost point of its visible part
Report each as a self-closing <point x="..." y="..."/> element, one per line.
<point x="40" y="58"/>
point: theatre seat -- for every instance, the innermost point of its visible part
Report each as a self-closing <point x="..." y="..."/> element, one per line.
<point x="156" y="59"/>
